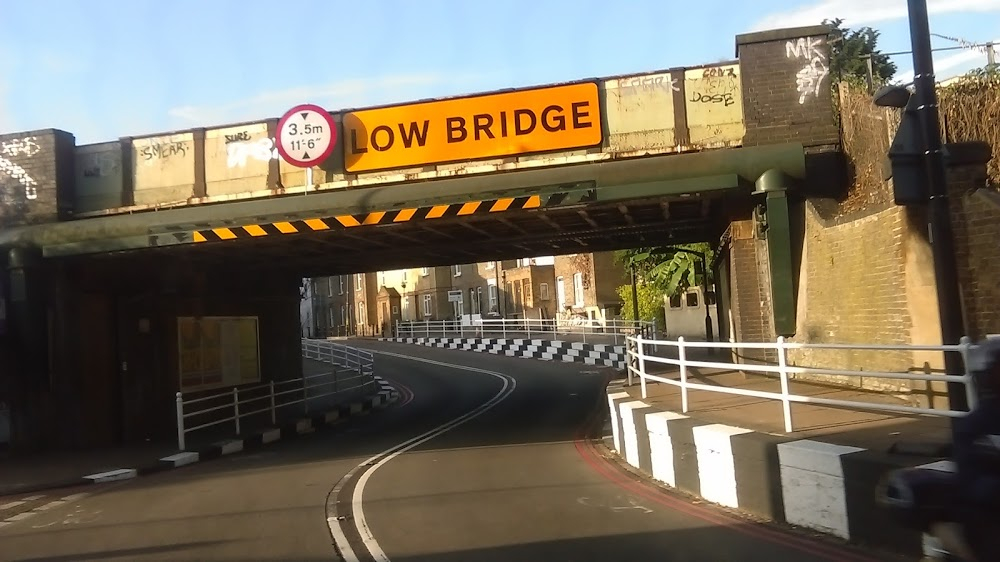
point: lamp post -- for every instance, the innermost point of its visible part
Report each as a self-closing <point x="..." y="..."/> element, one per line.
<point x="924" y="166"/>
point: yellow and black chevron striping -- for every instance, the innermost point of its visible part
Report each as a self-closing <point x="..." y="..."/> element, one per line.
<point x="373" y="218"/>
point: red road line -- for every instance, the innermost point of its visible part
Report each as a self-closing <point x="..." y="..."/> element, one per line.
<point x="585" y="449"/>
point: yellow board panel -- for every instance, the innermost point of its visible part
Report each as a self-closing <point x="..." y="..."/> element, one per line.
<point x="490" y="126"/>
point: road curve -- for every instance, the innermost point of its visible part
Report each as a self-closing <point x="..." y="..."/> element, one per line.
<point x="483" y="458"/>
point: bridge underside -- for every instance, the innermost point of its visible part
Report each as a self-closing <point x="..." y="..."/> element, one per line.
<point x="458" y="239"/>
<point x="587" y="207"/>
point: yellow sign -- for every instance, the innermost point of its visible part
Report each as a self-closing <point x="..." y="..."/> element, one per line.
<point x="521" y="122"/>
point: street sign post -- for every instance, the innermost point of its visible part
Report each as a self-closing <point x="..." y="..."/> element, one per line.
<point x="306" y="137"/>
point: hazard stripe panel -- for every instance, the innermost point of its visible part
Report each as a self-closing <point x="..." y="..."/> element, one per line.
<point x="430" y="213"/>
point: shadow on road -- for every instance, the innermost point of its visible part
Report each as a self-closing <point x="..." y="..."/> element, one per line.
<point x="123" y="552"/>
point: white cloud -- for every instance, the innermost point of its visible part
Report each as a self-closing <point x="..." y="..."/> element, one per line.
<point x="335" y="95"/>
<point x="866" y="12"/>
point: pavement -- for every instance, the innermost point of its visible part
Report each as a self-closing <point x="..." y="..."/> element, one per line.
<point x="842" y="426"/>
<point x="482" y="458"/>
<point x="43" y="472"/>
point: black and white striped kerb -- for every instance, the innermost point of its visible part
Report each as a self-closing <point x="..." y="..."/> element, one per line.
<point x="384" y="396"/>
<point x="603" y="355"/>
<point x="821" y="486"/>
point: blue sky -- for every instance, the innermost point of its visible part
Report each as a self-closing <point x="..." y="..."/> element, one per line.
<point x="102" y="69"/>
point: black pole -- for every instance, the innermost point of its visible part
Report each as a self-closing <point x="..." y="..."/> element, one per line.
<point x="635" y="297"/>
<point x="939" y="215"/>
<point x="709" y="335"/>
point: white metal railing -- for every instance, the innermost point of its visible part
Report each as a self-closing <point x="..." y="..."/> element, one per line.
<point x="616" y="330"/>
<point x="638" y="358"/>
<point x="353" y="369"/>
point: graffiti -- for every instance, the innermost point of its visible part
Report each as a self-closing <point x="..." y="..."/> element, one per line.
<point x="241" y="136"/>
<point x="20" y="147"/>
<point x="163" y="150"/>
<point x="649" y="83"/>
<point x="262" y="150"/>
<point x="718" y="71"/>
<point x="99" y="165"/>
<point x="725" y="98"/>
<point x="25" y="147"/>
<point x="809" y="79"/>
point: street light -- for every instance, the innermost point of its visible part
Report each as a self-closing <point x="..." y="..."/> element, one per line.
<point x="918" y="172"/>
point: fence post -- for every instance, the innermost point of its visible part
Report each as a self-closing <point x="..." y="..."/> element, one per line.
<point x="786" y="405"/>
<point x="527" y="324"/>
<point x="274" y="417"/>
<point x="180" y="422"/>
<point x="970" y="388"/>
<point x="503" y="327"/>
<point x="236" y="408"/>
<point x="682" y="359"/>
<point x="305" y="392"/>
<point x="642" y="366"/>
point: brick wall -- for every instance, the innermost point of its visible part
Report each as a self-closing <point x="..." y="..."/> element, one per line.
<point x="609" y="275"/>
<point x="852" y="289"/>
<point x="566" y="267"/>
<point x="787" y="95"/>
<point x="977" y="248"/>
<point x="749" y="296"/>
<point x="36" y="176"/>
<point x="868" y="277"/>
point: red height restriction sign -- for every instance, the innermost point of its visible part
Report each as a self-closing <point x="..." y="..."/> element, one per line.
<point x="306" y="135"/>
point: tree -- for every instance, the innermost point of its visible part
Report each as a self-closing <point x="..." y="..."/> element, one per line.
<point x="669" y="270"/>
<point x="650" y="303"/>
<point x="849" y="52"/>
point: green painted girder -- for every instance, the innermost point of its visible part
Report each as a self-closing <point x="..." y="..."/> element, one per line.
<point x="662" y="175"/>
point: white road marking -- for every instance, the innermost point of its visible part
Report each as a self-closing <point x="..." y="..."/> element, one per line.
<point x="42" y="508"/>
<point x="22" y="501"/>
<point x="374" y="463"/>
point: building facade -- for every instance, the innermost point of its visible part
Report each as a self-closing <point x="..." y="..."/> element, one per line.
<point x="536" y="288"/>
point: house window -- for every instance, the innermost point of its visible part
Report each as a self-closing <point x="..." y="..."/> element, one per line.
<point x="543" y="291"/>
<point x="425" y="271"/>
<point x="344" y="321"/>
<point x="395" y="309"/>
<point x="710" y="298"/>
<point x="491" y="264"/>
<point x="362" y="318"/>
<point x="456" y="270"/>
<point x="675" y="301"/>
<point x="333" y="319"/>
<point x="560" y="294"/>
<point x="493" y="297"/>
<point x="692" y="299"/>
<point x="359" y="285"/>
<point x="329" y="286"/>
<point x="341" y="279"/>
<point x="427" y="305"/>
<point x="578" y="289"/>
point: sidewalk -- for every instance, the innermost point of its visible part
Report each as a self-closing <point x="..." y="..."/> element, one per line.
<point x="871" y="430"/>
<point x="47" y="470"/>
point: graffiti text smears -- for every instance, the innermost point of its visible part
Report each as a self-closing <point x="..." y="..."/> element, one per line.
<point x="19" y="148"/>
<point x="809" y="79"/>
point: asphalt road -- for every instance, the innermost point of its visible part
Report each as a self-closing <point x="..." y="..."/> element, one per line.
<point x="483" y="458"/>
